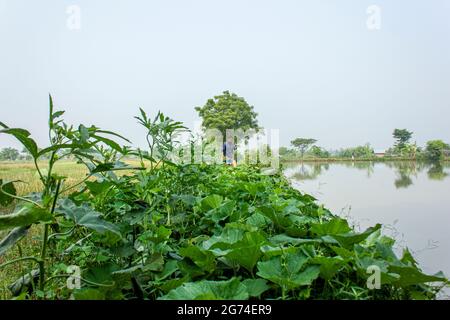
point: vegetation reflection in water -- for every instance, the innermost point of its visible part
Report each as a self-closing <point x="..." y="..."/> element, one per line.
<point x="405" y="171"/>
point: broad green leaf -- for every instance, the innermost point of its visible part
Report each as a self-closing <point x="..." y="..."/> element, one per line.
<point x="23" y="136"/>
<point x="57" y="114"/>
<point x="190" y="269"/>
<point x="255" y="287"/>
<point x="224" y="240"/>
<point x="286" y="270"/>
<point x="187" y="199"/>
<point x="154" y="263"/>
<point x="279" y="219"/>
<point x="408" y="258"/>
<point x="9" y="188"/>
<point x="97" y="187"/>
<point x="113" y="134"/>
<point x="124" y="250"/>
<point x="416" y="295"/>
<point x="222" y="212"/>
<point x="156" y="234"/>
<point x="202" y="258"/>
<point x="232" y="289"/>
<point x="366" y="262"/>
<point x="252" y="188"/>
<point x="171" y="284"/>
<point x="271" y="251"/>
<point x="386" y="277"/>
<point x="211" y="202"/>
<point x="103" y="167"/>
<point x="24" y="216"/>
<point x="329" y="266"/>
<point x="169" y="268"/>
<point x="114" y="145"/>
<point x="386" y="252"/>
<point x="247" y="251"/>
<point x="109" y="166"/>
<point x="411" y="276"/>
<point x="258" y="220"/>
<point x="85" y="216"/>
<point x="283" y="238"/>
<point x="349" y="239"/>
<point x="12" y="238"/>
<point x="102" y="274"/>
<point x="332" y="227"/>
<point x="344" y="253"/>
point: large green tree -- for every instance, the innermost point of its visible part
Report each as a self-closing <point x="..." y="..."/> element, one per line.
<point x="402" y="137"/>
<point x="228" y="111"/>
<point x="303" y="144"/>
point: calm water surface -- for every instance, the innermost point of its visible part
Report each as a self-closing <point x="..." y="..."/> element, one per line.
<point x="411" y="200"/>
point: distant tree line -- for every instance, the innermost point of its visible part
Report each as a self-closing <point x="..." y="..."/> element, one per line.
<point x="434" y="150"/>
<point x="12" y="154"/>
<point x="306" y="148"/>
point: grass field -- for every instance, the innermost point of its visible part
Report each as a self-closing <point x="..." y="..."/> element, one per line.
<point x="26" y="173"/>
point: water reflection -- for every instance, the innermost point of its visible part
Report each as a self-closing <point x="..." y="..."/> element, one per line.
<point x="436" y="172"/>
<point x="310" y="171"/>
<point x="405" y="171"/>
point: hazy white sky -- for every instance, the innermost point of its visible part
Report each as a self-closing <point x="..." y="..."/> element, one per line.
<point x="311" y="68"/>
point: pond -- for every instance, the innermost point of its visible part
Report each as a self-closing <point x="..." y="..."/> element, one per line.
<point x="411" y="199"/>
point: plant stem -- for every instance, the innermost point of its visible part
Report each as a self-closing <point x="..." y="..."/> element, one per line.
<point x="45" y="242"/>
<point x="42" y="262"/>
<point x="18" y="260"/>
<point x="19" y="198"/>
<point x="39" y="171"/>
<point x="77" y="184"/>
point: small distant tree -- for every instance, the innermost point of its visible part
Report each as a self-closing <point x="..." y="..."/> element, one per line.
<point x="287" y="153"/>
<point x="283" y="151"/>
<point x="365" y="151"/>
<point x="303" y="144"/>
<point x="436" y="149"/>
<point x="25" y="154"/>
<point x="402" y="137"/>
<point x="9" y="154"/>
<point x="319" y="152"/>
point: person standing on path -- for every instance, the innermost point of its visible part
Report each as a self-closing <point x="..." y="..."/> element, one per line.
<point x="228" y="151"/>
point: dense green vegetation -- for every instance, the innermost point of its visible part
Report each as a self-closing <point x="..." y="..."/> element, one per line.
<point x="185" y="231"/>
<point x="437" y="150"/>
